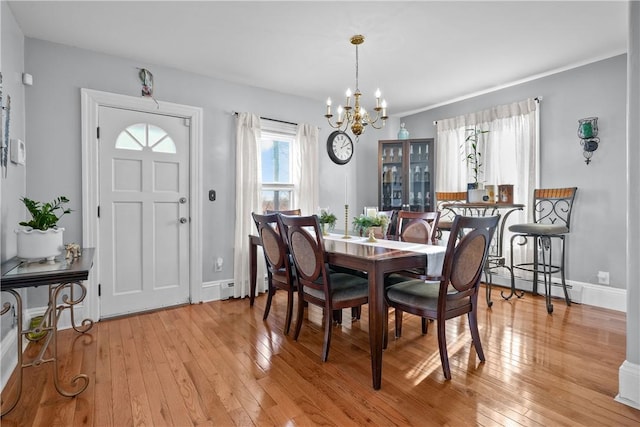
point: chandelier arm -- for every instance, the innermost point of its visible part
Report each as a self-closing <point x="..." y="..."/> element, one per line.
<point x="337" y="125"/>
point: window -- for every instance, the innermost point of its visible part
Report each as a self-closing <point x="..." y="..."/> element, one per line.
<point x="277" y="170"/>
<point x="137" y="137"/>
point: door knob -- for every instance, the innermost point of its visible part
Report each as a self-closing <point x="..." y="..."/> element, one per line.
<point x="183" y="220"/>
<point x="182" y="200"/>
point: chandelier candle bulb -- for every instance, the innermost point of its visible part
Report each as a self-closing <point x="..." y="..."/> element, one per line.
<point x="348" y="98"/>
<point x="328" y="106"/>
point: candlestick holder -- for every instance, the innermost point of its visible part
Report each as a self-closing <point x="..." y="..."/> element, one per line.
<point x="346" y="222"/>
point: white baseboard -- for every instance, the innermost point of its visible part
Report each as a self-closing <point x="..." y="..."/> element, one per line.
<point x="219" y="290"/>
<point x="9" y="356"/>
<point x="629" y="384"/>
<point x="579" y="292"/>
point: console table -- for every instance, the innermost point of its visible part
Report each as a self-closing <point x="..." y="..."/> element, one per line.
<point x="64" y="278"/>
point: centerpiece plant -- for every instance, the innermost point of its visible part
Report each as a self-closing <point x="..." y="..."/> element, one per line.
<point x="362" y="223"/>
<point x="327" y="220"/>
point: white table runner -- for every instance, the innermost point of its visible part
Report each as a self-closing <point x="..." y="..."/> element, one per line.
<point x="435" y="254"/>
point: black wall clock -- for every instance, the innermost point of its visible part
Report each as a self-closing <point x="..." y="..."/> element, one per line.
<point x="340" y="147"/>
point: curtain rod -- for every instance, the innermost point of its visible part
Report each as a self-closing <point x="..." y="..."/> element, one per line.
<point x="235" y="113"/>
<point x="537" y="99"/>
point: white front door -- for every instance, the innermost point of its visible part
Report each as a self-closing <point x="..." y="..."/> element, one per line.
<point x="143" y="161"/>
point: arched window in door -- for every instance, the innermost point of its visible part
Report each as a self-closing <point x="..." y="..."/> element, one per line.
<point x="144" y="135"/>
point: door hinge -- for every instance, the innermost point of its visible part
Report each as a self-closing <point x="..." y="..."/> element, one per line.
<point x="187" y="122"/>
<point x="98" y="211"/>
<point x="98" y="132"/>
<point x="99" y="290"/>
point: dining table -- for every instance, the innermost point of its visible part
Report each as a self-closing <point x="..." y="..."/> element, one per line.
<point x="378" y="258"/>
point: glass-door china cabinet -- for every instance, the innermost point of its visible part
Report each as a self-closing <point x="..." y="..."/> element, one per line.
<point x="405" y="175"/>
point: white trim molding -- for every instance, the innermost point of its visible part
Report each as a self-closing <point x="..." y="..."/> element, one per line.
<point x="579" y="292"/>
<point x="629" y="383"/>
<point x="91" y="101"/>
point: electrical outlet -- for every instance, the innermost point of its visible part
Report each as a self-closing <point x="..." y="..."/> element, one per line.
<point x="603" y="277"/>
<point x="218" y="264"/>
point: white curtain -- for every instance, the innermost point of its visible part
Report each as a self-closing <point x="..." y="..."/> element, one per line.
<point x="306" y="169"/>
<point x="509" y="154"/>
<point x="248" y="177"/>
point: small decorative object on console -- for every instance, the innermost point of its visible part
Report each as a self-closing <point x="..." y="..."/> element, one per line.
<point x="73" y="250"/>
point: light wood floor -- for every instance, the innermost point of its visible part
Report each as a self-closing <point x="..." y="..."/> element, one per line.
<point x="219" y="364"/>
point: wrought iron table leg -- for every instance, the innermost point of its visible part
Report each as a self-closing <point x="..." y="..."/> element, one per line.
<point x="513" y="291"/>
<point x="68" y="302"/>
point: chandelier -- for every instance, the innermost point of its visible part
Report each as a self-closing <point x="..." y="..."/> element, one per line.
<point x="357" y="117"/>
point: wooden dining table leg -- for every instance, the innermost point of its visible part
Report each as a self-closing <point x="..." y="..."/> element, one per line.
<point x="253" y="266"/>
<point x="376" y="325"/>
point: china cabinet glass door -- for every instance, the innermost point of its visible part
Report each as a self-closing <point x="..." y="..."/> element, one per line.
<point x="420" y="189"/>
<point x="405" y="177"/>
<point x="392" y="171"/>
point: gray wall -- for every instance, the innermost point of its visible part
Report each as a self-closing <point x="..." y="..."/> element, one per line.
<point x="596" y="242"/>
<point x="13" y="186"/>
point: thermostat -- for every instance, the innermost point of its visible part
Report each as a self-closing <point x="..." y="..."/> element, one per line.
<point x="17" y="151"/>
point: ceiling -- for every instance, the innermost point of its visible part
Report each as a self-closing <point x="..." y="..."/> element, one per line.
<point x="419" y="53"/>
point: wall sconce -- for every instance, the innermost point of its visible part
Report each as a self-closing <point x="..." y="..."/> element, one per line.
<point x="588" y="134"/>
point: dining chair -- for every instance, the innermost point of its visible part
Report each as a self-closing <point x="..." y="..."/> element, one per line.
<point x="316" y="284"/>
<point x="280" y="273"/>
<point x="417" y="227"/>
<point x="551" y="221"/>
<point x="456" y="291"/>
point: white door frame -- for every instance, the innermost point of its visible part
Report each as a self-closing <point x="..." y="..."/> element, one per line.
<point x="91" y="101"/>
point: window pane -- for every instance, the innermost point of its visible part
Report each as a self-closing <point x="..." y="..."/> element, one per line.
<point x="126" y="142"/>
<point x="277" y="200"/>
<point x="276" y="162"/>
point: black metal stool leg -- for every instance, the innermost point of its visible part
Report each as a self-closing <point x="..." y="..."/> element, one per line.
<point x="564" y="283"/>
<point x="546" y="271"/>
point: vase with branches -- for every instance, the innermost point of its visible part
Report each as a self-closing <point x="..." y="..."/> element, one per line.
<point x="472" y="154"/>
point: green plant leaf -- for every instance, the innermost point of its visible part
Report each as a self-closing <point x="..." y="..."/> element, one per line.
<point x="45" y="215"/>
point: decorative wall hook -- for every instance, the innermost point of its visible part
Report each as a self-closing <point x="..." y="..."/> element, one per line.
<point x="588" y="134"/>
<point x="146" y="78"/>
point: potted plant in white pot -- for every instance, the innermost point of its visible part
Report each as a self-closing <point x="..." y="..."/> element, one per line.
<point x="41" y="237"/>
<point x="473" y="158"/>
<point x="327" y="221"/>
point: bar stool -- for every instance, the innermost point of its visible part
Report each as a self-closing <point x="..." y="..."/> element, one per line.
<point x="551" y="220"/>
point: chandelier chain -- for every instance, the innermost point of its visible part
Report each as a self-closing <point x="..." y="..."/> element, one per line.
<point x="357" y="88"/>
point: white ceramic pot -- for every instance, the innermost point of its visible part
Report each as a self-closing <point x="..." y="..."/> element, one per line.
<point x="476" y="196"/>
<point x="38" y="244"/>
